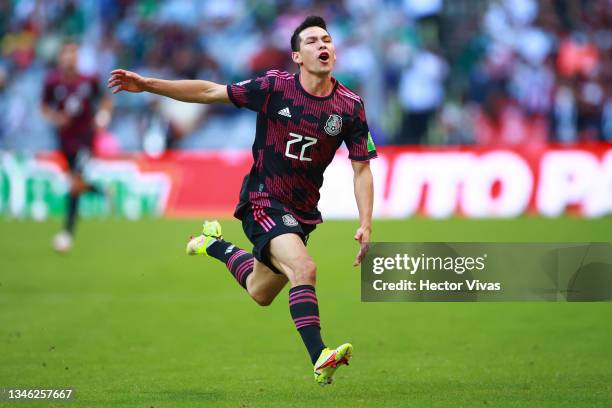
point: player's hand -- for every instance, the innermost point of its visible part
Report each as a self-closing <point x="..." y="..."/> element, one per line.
<point x="123" y="80"/>
<point x="363" y="237"/>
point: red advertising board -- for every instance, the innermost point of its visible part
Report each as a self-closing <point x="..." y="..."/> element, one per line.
<point x="434" y="182"/>
<point x="485" y="182"/>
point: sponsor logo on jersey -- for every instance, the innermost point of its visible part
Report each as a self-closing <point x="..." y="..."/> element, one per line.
<point x="84" y="90"/>
<point x="289" y="220"/>
<point x="333" y="126"/>
<point x="285" y="112"/>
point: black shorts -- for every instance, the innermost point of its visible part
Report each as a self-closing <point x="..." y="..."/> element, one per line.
<point x="262" y="224"/>
<point x="77" y="161"/>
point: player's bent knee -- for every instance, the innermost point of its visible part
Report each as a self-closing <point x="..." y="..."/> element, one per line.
<point x="306" y="272"/>
<point x="262" y="296"/>
<point x="262" y="299"/>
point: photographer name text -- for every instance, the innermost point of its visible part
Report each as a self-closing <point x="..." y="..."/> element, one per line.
<point x="422" y="263"/>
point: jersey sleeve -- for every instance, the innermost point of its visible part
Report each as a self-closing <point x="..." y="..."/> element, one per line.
<point x="359" y="140"/>
<point x="250" y="94"/>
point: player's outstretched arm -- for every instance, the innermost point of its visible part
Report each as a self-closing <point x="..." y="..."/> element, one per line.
<point x="185" y="90"/>
<point x="105" y="112"/>
<point x="364" y="195"/>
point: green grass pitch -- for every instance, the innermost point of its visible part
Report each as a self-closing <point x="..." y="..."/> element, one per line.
<point x="127" y="320"/>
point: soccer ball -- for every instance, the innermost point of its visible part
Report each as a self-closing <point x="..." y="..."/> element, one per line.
<point x="62" y="242"/>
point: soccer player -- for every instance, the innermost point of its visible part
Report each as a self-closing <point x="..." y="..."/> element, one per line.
<point x="69" y="102"/>
<point x="302" y="120"/>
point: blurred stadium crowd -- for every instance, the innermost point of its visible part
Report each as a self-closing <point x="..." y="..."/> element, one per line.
<point x="486" y="72"/>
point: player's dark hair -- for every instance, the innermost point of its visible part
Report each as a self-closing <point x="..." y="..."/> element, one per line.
<point x="310" y="21"/>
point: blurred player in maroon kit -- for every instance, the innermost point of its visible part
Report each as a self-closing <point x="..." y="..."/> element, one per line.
<point x="76" y="106"/>
<point x="302" y="119"/>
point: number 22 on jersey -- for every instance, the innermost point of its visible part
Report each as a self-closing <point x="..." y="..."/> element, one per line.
<point x="295" y="138"/>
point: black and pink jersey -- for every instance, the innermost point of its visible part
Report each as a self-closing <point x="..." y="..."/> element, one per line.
<point x="76" y="97"/>
<point x="296" y="138"/>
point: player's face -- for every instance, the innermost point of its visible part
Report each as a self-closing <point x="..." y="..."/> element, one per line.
<point x="317" y="54"/>
<point x="68" y="57"/>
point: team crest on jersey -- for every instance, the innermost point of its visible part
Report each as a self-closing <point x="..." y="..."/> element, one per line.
<point x="333" y="126"/>
<point x="289" y="220"/>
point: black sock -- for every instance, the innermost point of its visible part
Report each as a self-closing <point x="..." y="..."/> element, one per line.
<point x="71" y="213"/>
<point x="238" y="261"/>
<point x="91" y="188"/>
<point x="304" y="310"/>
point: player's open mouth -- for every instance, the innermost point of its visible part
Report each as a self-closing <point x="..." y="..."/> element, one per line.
<point x="324" y="57"/>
